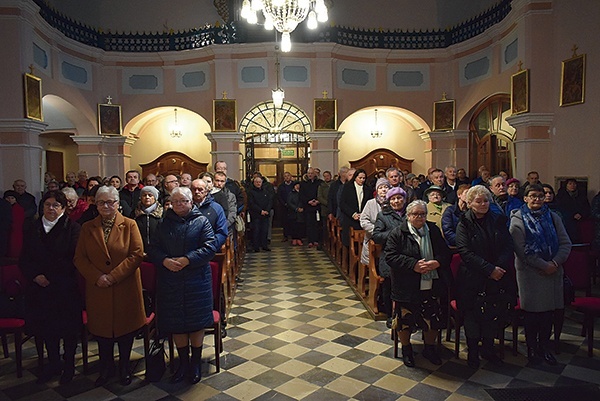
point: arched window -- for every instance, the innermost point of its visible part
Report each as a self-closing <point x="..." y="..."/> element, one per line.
<point x="275" y="140"/>
<point x="491" y="137"/>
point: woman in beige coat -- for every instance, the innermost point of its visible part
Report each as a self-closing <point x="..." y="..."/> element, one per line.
<point x="108" y="254"/>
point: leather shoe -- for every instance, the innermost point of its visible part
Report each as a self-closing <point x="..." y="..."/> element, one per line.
<point x="408" y="357"/>
<point x="548" y="357"/>
<point x="125" y="379"/>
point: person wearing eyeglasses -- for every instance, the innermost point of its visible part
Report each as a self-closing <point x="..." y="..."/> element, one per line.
<point x="419" y="262"/>
<point x="53" y="302"/>
<point x="486" y="251"/>
<point x="181" y="250"/>
<point x="108" y="255"/>
<point x="542" y="245"/>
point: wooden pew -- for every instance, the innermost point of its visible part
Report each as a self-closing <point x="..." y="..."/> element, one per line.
<point x="374" y="279"/>
<point x="357" y="238"/>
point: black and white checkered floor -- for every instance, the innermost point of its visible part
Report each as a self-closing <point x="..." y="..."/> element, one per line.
<point x="297" y="332"/>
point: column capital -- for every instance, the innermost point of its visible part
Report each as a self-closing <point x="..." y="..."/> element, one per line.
<point x="22" y="124"/>
<point x="233" y="136"/>
<point x="454" y="134"/>
<point x="530" y="120"/>
<point x="316" y="135"/>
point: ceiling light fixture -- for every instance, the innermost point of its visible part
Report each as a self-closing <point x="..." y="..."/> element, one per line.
<point x="285" y="15"/>
<point x="277" y="94"/>
<point x="376" y="132"/>
<point x="175" y="129"/>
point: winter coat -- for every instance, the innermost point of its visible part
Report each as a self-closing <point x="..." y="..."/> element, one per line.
<point x="483" y="245"/>
<point x="216" y="217"/>
<point x="184" y="298"/>
<point x="368" y="217"/>
<point x="259" y="199"/>
<point x="349" y="205"/>
<point x="572" y="204"/>
<point x="402" y="253"/>
<point x="119" y="309"/>
<point x="386" y="221"/>
<point x="450" y="220"/>
<point x="148" y="223"/>
<point x="539" y="292"/>
<point x="434" y="215"/>
<point x="54" y="310"/>
<point x="130" y="199"/>
<point x="292" y="205"/>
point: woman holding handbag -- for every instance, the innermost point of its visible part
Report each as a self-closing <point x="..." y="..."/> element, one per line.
<point x="542" y="245"/>
<point x="486" y="275"/>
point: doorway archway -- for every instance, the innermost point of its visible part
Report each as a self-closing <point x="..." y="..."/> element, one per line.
<point x="275" y="140"/>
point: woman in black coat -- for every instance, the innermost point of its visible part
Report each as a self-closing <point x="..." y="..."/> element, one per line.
<point x="181" y="251"/>
<point x="486" y="250"/>
<point x="390" y="217"/>
<point x="419" y="262"/>
<point x="52" y="298"/>
<point x="148" y="214"/>
<point x="295" y="215"/>
<point x="355" y="195"/>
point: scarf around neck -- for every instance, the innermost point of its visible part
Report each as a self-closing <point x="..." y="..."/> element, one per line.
<point x="422" y="237"/>
<point x="540" y="234"/>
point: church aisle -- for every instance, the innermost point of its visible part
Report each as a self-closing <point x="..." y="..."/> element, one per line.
<point x="297" y="332"/>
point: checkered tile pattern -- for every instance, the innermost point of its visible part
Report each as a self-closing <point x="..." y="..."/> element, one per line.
<point x="298" y="332"/>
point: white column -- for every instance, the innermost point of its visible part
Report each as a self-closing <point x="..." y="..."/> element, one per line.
<point x="225" y="146"/>
<point x="324" y="150"/>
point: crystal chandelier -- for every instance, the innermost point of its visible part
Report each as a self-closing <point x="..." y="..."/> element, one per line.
<point x="376" y="132"/>
<point x="175" y="129"/>
<point x="285" y="15"/>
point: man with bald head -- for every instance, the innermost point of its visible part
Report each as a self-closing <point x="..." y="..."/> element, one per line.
<point x="25" y="199"/>
<point x="171" y="182"/>
<point x="151" y="180"/>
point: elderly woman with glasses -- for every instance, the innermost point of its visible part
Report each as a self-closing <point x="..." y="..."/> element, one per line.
<point x="108" y="254"/>
<point x="181" y="251"/>
<point x="53" y="300"/>
<point x="486" y="250"/>
<point x="542" y="245"/>
<point x="419" y="262"/>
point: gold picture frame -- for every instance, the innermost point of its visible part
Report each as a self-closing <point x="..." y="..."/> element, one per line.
<point x="224" y="115"/>
<point x="33" y="97"/>
<point x="325" y="114"/>
<point x="443" y="115"/>
<point x="519" y="92"/>
<point x="109" y="119"/>
<point x="572" y="82"/>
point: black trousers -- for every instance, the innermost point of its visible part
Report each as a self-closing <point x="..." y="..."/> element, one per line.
<point x="313" y="227"/>
<point x="477" y="329"/>
<point x="260" y="231"/>
<point x="538" y="327"/>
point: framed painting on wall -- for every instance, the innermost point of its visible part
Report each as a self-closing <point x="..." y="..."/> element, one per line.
<point x="224" y="115"/>
<point x="33" y="97"/>
<point x="109" y="119"/>
<point x="572" y="83"/>
<point x="519" y="92"/>
<point x="325" y="114"/>
<point x="443" y="115"/>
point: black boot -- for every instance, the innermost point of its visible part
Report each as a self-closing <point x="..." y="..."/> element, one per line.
<point x="53" y="368"/>
<point x="124" y="372"/>
<point x="473" y="352"/>
<point x="184" y="363"/>
<point x="107" y="361"/>
<point x="431" y="354"/>
<point x="408" y="357"/>
<point x="69" y="357"/>
<point x="488" y="353"/>
<point x="195" y="371"/>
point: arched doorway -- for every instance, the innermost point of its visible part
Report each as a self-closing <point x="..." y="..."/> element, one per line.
<point x="275" y="140"/>
<point x="491" y="137"/>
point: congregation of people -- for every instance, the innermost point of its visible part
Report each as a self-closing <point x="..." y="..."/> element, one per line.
<point x="512" y="238"/>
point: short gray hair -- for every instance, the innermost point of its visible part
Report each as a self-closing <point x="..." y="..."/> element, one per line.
<point x="185" y="191"/>
<point x="414" y="204"/>
<point x="478" y="190"/>
<point x="70" y="193"/>
<point x="110" y="190"/>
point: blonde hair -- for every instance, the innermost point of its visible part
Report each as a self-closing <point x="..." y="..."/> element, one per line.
<point x="478" y="190"/>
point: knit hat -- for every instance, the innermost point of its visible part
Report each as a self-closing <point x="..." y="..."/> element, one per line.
<point x="410" y="176"/>
<point x="395" y="191"/>
<point x="511" y="180"/>
<point x="12" y="193"/>
<point x="151" y="189"/>
<point x="381" y="181"/>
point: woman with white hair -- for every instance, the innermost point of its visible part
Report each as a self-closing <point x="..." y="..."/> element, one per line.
<point x="108" y="254"/>
<point x="419" y="262"/>
<point x="181" y="250"/>
<point x="486" y="285"/>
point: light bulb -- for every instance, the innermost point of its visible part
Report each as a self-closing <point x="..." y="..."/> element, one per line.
<point x="257" y="5"/>
<point x="252" y="18"/>
<point x="246" y="9"/>
<point x="278" y="95"/>
<point x="311" y="23"/>
<point x="322" y="15"/>
<point x="268" y="22"/>
<point x="286" y="42"/>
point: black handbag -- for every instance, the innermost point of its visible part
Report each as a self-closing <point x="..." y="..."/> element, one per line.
<point x="155" y="361"/>
<point x="493" y="306"/>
